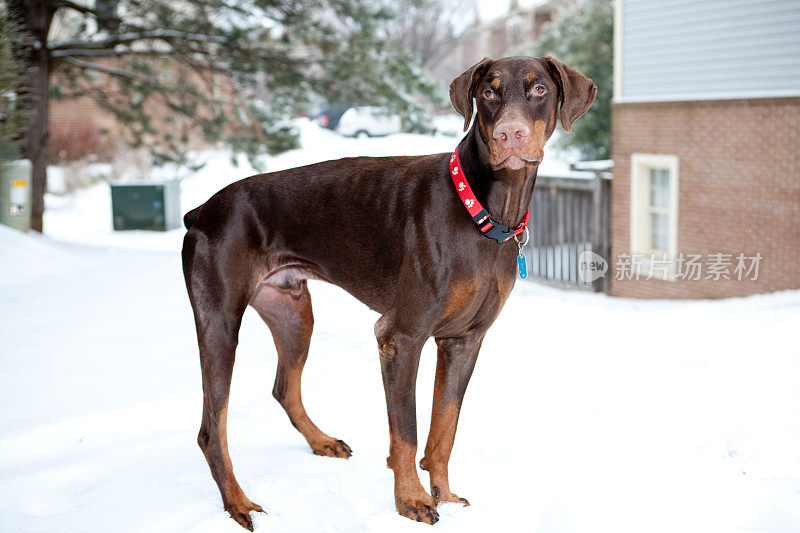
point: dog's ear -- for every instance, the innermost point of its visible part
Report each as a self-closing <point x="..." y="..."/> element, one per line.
<point x="462" y="89"/>
<point x="577" y="92"/>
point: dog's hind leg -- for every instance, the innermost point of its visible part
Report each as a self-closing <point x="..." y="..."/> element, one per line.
<point x="218" y="308"/>
<point x="287" y="312"/>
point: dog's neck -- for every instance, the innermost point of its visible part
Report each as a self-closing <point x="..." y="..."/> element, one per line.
<point x="505" y="193"/>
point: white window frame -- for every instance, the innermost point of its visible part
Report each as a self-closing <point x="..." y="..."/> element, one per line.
<point x="664" y="265"/>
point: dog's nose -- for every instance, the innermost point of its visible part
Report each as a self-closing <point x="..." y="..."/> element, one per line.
<point x="510" y="132"/>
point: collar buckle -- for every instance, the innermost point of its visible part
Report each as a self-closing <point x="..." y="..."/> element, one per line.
<point x="494" y="230"/>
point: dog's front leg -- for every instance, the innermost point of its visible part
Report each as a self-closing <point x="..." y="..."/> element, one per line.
<point x="399" y="353"/>
<point x="454" y="365"/>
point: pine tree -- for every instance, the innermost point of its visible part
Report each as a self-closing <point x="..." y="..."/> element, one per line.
<point x="583" y="38"/>
<point x="13" y="119"/>
<point x="198" y="66"/>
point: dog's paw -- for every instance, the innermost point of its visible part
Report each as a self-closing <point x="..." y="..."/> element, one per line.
<point x="332" y="448"/>
<point x="447" y="496"/>
<point x="421" y="508"/>
<point x="240" y="512"/>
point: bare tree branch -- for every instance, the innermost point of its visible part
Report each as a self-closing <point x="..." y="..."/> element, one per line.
<point x="106" y="53"/>
<point x="116" y="72"/>
<point x="78" y="7"/>
<point x="131" y="37"/>
<point x="101" y="68"/>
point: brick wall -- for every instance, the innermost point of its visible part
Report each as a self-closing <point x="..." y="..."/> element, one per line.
<point x="739" y="188"/>
<point x="79" y="128"/>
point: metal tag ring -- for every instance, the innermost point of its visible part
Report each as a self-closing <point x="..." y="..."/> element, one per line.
<point x="527" y="238"/>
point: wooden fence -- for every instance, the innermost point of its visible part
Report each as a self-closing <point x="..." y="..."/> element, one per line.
<point x="569" y="216"/>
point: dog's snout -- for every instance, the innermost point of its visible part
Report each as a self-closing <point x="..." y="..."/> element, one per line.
<point x="510" y="132"/>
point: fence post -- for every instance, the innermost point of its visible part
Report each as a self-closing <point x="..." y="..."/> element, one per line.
<point x="599" y="233"/>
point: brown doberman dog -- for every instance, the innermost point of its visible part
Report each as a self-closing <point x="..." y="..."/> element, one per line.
<point x="393" y="232"/>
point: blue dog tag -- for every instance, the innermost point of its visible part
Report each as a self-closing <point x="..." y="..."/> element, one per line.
<point x="522" y="265"/>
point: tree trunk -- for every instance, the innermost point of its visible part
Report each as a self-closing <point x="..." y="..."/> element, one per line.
<point x="36" y="17"/>
<point x="37" y="137"/>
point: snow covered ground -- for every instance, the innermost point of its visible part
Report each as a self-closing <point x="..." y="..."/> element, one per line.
<point x="585" y="413"/>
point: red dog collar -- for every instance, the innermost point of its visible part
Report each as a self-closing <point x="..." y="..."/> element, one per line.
<point x="486" y="224"/>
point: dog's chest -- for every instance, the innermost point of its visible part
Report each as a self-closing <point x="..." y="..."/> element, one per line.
<point x="475" y="300"/>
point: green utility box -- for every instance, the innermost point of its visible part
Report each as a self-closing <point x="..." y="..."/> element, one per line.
<point x="15" y="194"/>
<point x="146" y="205"/>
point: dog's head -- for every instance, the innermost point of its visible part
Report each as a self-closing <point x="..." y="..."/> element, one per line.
<point x="517" y="101"/>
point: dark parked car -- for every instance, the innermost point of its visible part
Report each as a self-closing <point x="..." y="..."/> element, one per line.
<point x="329" y="116"/>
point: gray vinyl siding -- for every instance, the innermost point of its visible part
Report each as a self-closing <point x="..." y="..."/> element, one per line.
<point x="706" y="49"/>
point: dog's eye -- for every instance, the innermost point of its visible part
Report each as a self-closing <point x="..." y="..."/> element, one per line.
<point x="488" y="94"/>
<point x="539" y="90"/>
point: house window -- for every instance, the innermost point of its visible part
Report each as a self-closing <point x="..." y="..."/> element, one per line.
<point x="654" y="214"/>
<point x="658" y="209"/>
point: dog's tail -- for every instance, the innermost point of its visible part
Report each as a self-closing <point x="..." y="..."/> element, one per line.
<point x="190" y="217"/>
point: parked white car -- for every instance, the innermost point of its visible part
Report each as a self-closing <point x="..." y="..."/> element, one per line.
<point x="368" y="121"/>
